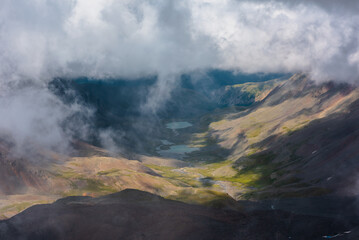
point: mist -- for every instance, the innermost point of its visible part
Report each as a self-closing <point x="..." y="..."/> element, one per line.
<point x="106" y="39"/>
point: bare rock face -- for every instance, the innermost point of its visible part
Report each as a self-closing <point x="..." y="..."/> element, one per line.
<point x="133" y="214"/>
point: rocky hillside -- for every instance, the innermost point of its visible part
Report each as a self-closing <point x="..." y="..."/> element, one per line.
<point x="300" y="140"/>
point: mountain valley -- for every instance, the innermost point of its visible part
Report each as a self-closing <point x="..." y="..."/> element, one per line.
<point x="273" y="140"/>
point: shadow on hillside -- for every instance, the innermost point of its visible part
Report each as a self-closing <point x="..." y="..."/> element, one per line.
<point x="319" y="158"/>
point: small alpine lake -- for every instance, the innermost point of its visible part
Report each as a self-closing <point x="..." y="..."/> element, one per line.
<point x="178" y="125"/>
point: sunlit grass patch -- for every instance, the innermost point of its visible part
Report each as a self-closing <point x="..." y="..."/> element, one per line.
<point x="256" y="170"/>
<point x="199" y="140"/>
<point x="252" y="150"/>
<point x="293" y="128"/>
<point x="248" y="177"/>
<point x="176" y="177"/>
<point x="19" y="207"/>
<point x="218" y="123"/>
<point x="68" y="174"/>
<point x="95" y="185"/>
<point x="254" y="130"/>
<point x="91" y="187"/>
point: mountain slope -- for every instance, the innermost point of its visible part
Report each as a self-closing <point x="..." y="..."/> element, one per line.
<point x="92" y="171"/>
<point x="300" y="140"/>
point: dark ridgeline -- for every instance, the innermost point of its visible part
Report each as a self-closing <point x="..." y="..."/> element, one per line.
<point x="133" y="214"/>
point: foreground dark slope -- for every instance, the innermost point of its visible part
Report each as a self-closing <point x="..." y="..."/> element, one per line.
<point x="132" y="214"/>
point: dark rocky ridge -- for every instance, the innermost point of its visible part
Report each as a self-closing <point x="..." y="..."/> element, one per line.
<point x="133" y="214"/>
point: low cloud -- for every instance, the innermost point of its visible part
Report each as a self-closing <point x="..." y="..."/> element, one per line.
<point x="32" y="117"/>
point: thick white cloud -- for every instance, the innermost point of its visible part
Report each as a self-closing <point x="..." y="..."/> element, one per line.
<point x="106" y="38"/>
<point x="272" y="36"/>
<point x="42" y="39"/>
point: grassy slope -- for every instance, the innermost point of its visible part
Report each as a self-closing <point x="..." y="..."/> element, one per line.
<point x="272" y="171"/>
<point x="98" y="174"/>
